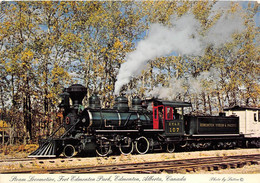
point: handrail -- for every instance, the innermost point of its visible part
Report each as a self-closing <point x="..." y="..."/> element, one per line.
<point x="128" y="118"/>
<point x="65" y="133"/>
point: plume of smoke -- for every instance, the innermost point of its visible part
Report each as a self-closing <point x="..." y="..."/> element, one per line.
<point x="222" y="31"/>
<point x="194" y="85"/>
<point x="175" y="89"/>
<point x="182" y="38"/>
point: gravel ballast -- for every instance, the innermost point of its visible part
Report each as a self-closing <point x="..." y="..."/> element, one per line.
<point x="125" y="159"/>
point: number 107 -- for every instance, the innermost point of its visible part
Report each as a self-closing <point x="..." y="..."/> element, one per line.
<point x="174" y="130"/>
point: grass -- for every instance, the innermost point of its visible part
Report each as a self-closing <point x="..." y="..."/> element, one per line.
<point x="17" y="150"/>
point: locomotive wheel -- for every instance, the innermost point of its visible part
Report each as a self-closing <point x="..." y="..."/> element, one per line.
<point x="126" y="146"/>
<point x="258" y="143"/>
<point x="69" y="151"/>
<point x="142" y="145"/>
<point x="247" y="144"/>
<point x="184" y="144"/>
<point x="104" y="147"/>
<point x="151" y="144"/>
<point x="170" y="148"/>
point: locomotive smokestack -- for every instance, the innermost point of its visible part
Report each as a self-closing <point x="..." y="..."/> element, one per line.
<point x="77" y="92"/>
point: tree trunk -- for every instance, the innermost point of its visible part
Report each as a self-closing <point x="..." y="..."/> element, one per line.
<point x="219" y="102"/>
<point x="29" y="116"/>
<point x="210" y="109"/>
<point x="204" y="102"/>
<point x="3" y="112"/>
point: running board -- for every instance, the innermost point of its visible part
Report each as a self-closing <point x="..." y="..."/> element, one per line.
<point x="215" y="135"/>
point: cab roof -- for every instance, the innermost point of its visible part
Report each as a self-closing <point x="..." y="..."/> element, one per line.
<point x="241" y="108"/>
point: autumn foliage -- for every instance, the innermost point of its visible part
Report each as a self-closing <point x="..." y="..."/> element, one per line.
<point x="48" y="45"/>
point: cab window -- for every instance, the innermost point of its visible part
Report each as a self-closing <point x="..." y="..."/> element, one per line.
<point x="169" y="113"/>
<point x="155" y="116"/>
<point x="178" y="113"/>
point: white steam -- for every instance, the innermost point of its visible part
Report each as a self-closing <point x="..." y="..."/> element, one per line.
<point x="182" y="38"/>
<point x="176" y="88"/>
<point x="222" y="31"/>
<point x="188" y="84"/>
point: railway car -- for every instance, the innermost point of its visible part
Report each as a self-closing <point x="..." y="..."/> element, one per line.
<point x="146" y="126"/>
<point x="249" y="123"/>
<point x="215" y="132"/>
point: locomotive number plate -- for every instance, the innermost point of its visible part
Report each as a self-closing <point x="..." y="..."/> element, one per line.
<point x="174" y="130"/>
<point x="174" y="127"/>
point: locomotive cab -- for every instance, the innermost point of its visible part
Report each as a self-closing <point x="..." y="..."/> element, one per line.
<point x="167" y="116"/>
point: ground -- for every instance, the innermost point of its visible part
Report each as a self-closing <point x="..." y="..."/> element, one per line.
<point x="16" y="151"/>
<point x="23" y="151"/>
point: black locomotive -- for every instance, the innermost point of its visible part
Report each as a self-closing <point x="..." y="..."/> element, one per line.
<point x="146" y="126"/>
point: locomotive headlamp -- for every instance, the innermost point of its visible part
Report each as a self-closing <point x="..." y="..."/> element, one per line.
<point x="84" y="120"/>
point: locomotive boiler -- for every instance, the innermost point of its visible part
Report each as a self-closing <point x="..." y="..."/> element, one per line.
<point x="147" y="125"/>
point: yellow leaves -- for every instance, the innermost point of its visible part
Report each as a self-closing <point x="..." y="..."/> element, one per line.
<point x="14" y="8"/>
<point x="109" y="87"/>
<point x="201" y="11"/>
<point x="183" y="8"/>
<point x="47" y="3"/>
<point x="235" y="7"/>
<point x="123" y="23"/>
<point x="101" y="69"/>
<point x="58" y="74"/>
<point x="142" y="90"/>
<point x="7" y="25"/>
<point x="69" y="38"/>
<point x="27" y="55"/>
<point x="30" y="26"/>
<point x="50" y="95"/>
<point x="118" y="44"/>
<point x="57" y="71"/>
<point x="103" y="50"/>
<point x="46" y="51"/>
<point x="4" y="124"/>
<point x="158" y="11"/>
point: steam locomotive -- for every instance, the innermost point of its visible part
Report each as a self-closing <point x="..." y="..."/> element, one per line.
<point x="149" y="125"/>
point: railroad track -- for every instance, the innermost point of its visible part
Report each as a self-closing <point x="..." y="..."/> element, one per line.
<point x="16" y="159"/>
<point x="173" y="166"/>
